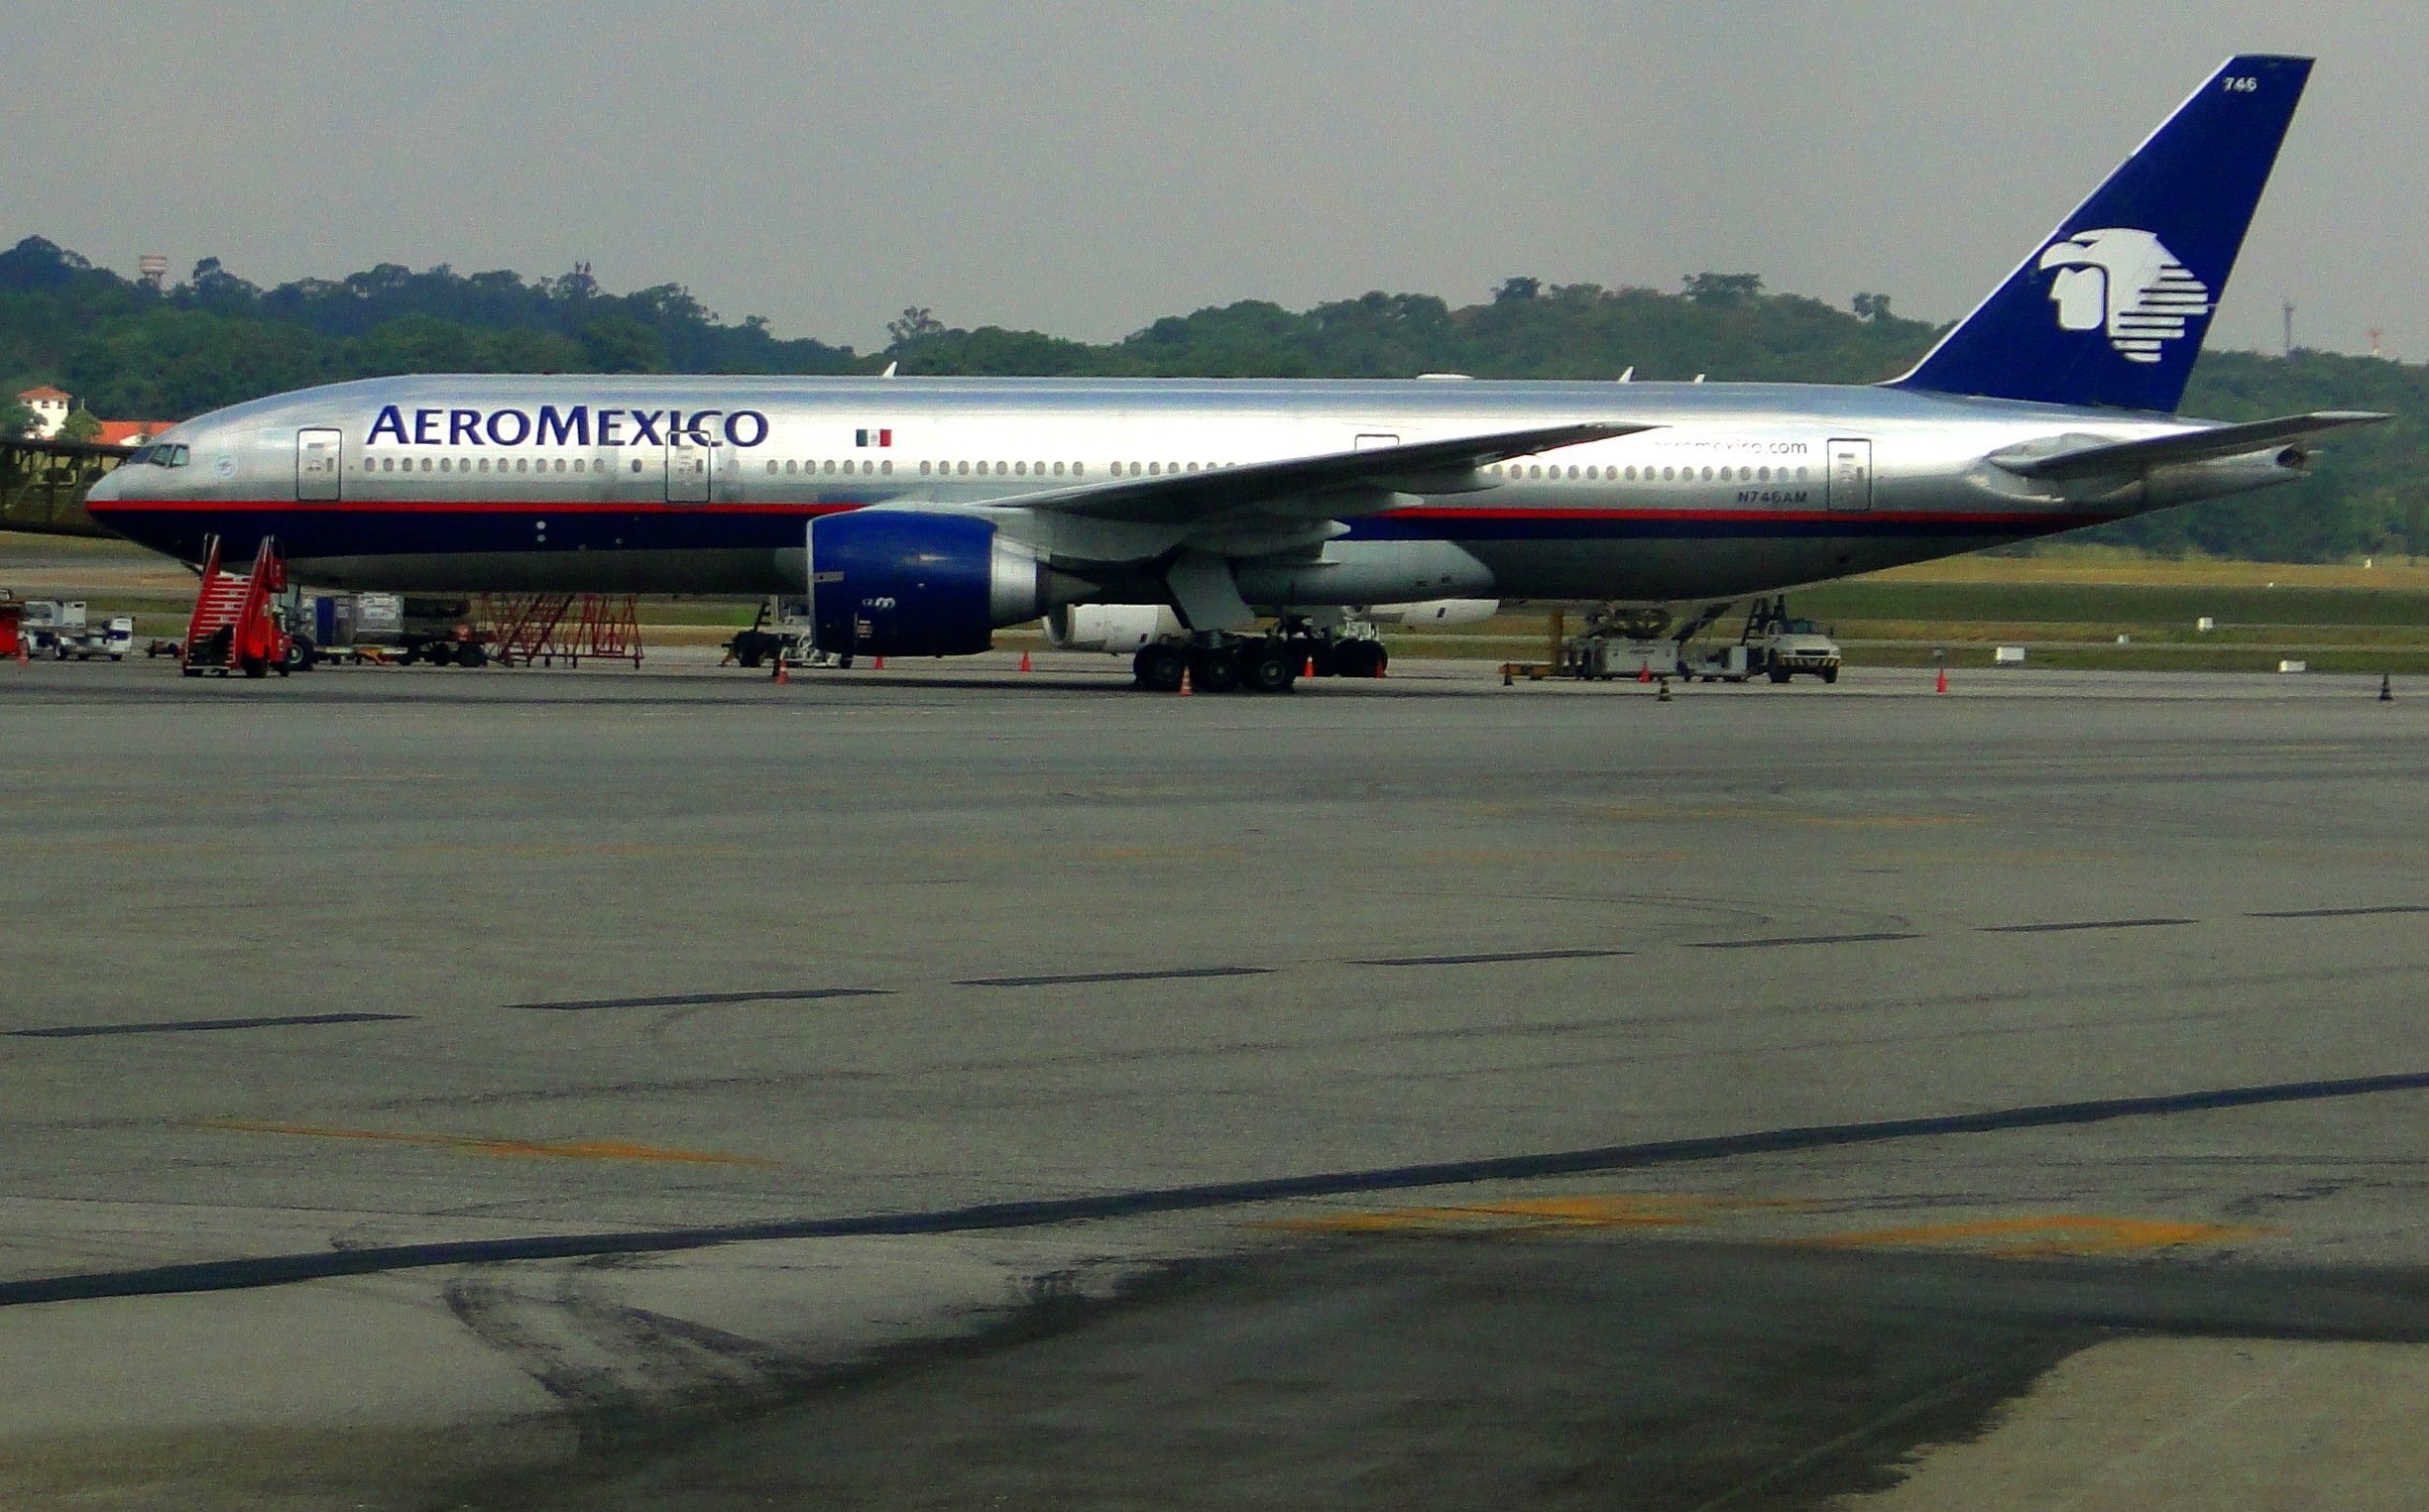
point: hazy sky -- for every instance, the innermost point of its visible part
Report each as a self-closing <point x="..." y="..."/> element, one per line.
<point x="1083" y="167"/>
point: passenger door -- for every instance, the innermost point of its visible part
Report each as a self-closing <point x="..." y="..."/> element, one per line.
<point x="320" y="462"/>
<point x="1851" y="476"/>
<point x="689" y="459"/>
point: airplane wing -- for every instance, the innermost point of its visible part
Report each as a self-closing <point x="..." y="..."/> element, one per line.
<point x="1325" y="486"/>
<point x="2119" y="457"/>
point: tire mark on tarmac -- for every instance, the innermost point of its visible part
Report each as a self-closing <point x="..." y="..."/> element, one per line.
<point x="1492" y="958"/>
<point x="699" y="999"/>
<point x="281" y="1270"/>
<point x="1855" y="939"/>
<point x="2340" y="913"/>
<point x="2052" y="929"/>
<point x="205" y="1025"/>
<point x="1076" y="978"/>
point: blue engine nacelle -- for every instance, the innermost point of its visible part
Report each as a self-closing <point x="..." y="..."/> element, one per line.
<point x="897" y="582"/>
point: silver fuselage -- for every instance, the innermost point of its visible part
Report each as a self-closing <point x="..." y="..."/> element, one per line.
<point x="706" y="483"/>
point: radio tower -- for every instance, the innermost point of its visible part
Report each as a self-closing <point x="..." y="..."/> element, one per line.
<point x="2289" y="327"/>
<point x="2374" y="334"/>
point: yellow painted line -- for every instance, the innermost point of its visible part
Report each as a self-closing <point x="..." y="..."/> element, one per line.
<point x="536" y="1149"/>
<point x="2058" y="1233"/>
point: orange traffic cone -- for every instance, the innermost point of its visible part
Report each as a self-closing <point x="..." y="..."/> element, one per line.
<point x="878" y="663"/>
<point x="1941" y="686"/>
<point x="1185" y="689"/>
<point x="783" y="679"/>
<point x="1644" y="671"/>
<point x="1309" y="669"/>
<point x="1024" y="661"/>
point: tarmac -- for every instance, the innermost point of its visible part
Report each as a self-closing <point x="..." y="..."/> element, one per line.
<point x="946" y="1086"/>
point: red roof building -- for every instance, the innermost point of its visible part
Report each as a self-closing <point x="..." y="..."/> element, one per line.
<point x="129" y="432"/>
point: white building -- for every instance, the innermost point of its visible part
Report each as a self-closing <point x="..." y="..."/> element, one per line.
<point x="50" y="408"/>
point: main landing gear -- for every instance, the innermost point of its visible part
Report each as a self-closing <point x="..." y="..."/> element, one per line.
<point x="1253" y="664"/>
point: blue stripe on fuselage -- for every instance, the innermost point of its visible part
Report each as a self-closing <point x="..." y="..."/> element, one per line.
<point x="308" y="531"/>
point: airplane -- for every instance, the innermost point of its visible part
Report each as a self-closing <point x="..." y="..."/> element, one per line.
<point x="1172" y="517"/>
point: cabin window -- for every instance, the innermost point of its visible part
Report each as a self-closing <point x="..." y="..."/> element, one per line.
<point x="887" y="466"/>
<point x="1057" y="469"/>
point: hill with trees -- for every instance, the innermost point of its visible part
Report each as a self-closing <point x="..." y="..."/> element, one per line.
<point x="126" y="349"/>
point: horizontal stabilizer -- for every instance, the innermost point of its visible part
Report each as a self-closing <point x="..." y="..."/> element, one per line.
<point x="1187" y="498"/>
<point x="2111" y="458"/>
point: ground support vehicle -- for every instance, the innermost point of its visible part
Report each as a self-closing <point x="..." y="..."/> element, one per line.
<point x="234" y="628"/>
<point x="61" y="631"/>
<point x="1779" y="646"/>
<point x="781" y="628"/>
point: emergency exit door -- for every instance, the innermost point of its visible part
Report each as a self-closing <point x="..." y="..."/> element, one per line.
<point x="1851" y="476"/>
<point x="688" y="460"/>
<point x="320" y="460"/>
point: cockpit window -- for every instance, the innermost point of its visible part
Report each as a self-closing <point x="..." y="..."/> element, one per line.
<point x="139" y="456"/>
<point x="169" y="456"/>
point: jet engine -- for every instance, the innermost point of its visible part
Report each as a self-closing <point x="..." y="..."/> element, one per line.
<point x="908" y="583"/>
<point x="1120" y="629"/>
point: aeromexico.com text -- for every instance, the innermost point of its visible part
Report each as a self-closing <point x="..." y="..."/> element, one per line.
<point x="569" y="425"/>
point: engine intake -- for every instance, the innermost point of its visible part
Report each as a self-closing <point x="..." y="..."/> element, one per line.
<point x="909" y="584"/>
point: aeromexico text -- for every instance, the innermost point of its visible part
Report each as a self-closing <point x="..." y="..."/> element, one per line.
<point x="571" y="425"/>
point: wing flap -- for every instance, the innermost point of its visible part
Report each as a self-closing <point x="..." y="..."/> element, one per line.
<point x="2112" y="458"/>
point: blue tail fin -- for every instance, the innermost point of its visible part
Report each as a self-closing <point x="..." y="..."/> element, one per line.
<point x="2111" y="309"/>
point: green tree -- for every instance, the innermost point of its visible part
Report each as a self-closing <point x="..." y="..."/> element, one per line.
<point x="17" y="418"/>
<point x="81" y="425"/>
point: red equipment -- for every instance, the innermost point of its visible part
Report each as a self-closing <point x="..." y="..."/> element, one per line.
<point x="233" y="629"/>
<point x="527" y="627"/>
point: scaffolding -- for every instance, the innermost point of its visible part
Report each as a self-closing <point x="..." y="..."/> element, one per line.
<point x="543" y="629"/>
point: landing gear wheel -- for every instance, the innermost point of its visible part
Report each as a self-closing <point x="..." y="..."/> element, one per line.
<point x="1268" y="669"/>
<point x="1215" y="669"/>
<point x="1160" y="667"/>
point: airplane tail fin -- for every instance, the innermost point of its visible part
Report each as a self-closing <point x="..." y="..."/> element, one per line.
<point x="2111" y="309"/>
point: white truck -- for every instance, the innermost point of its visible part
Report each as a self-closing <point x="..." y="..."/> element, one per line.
<point x="1780" y="647"/>
<point x="61" y="629"/>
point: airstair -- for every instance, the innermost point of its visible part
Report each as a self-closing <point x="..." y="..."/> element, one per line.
<point x="232" y="629"/>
